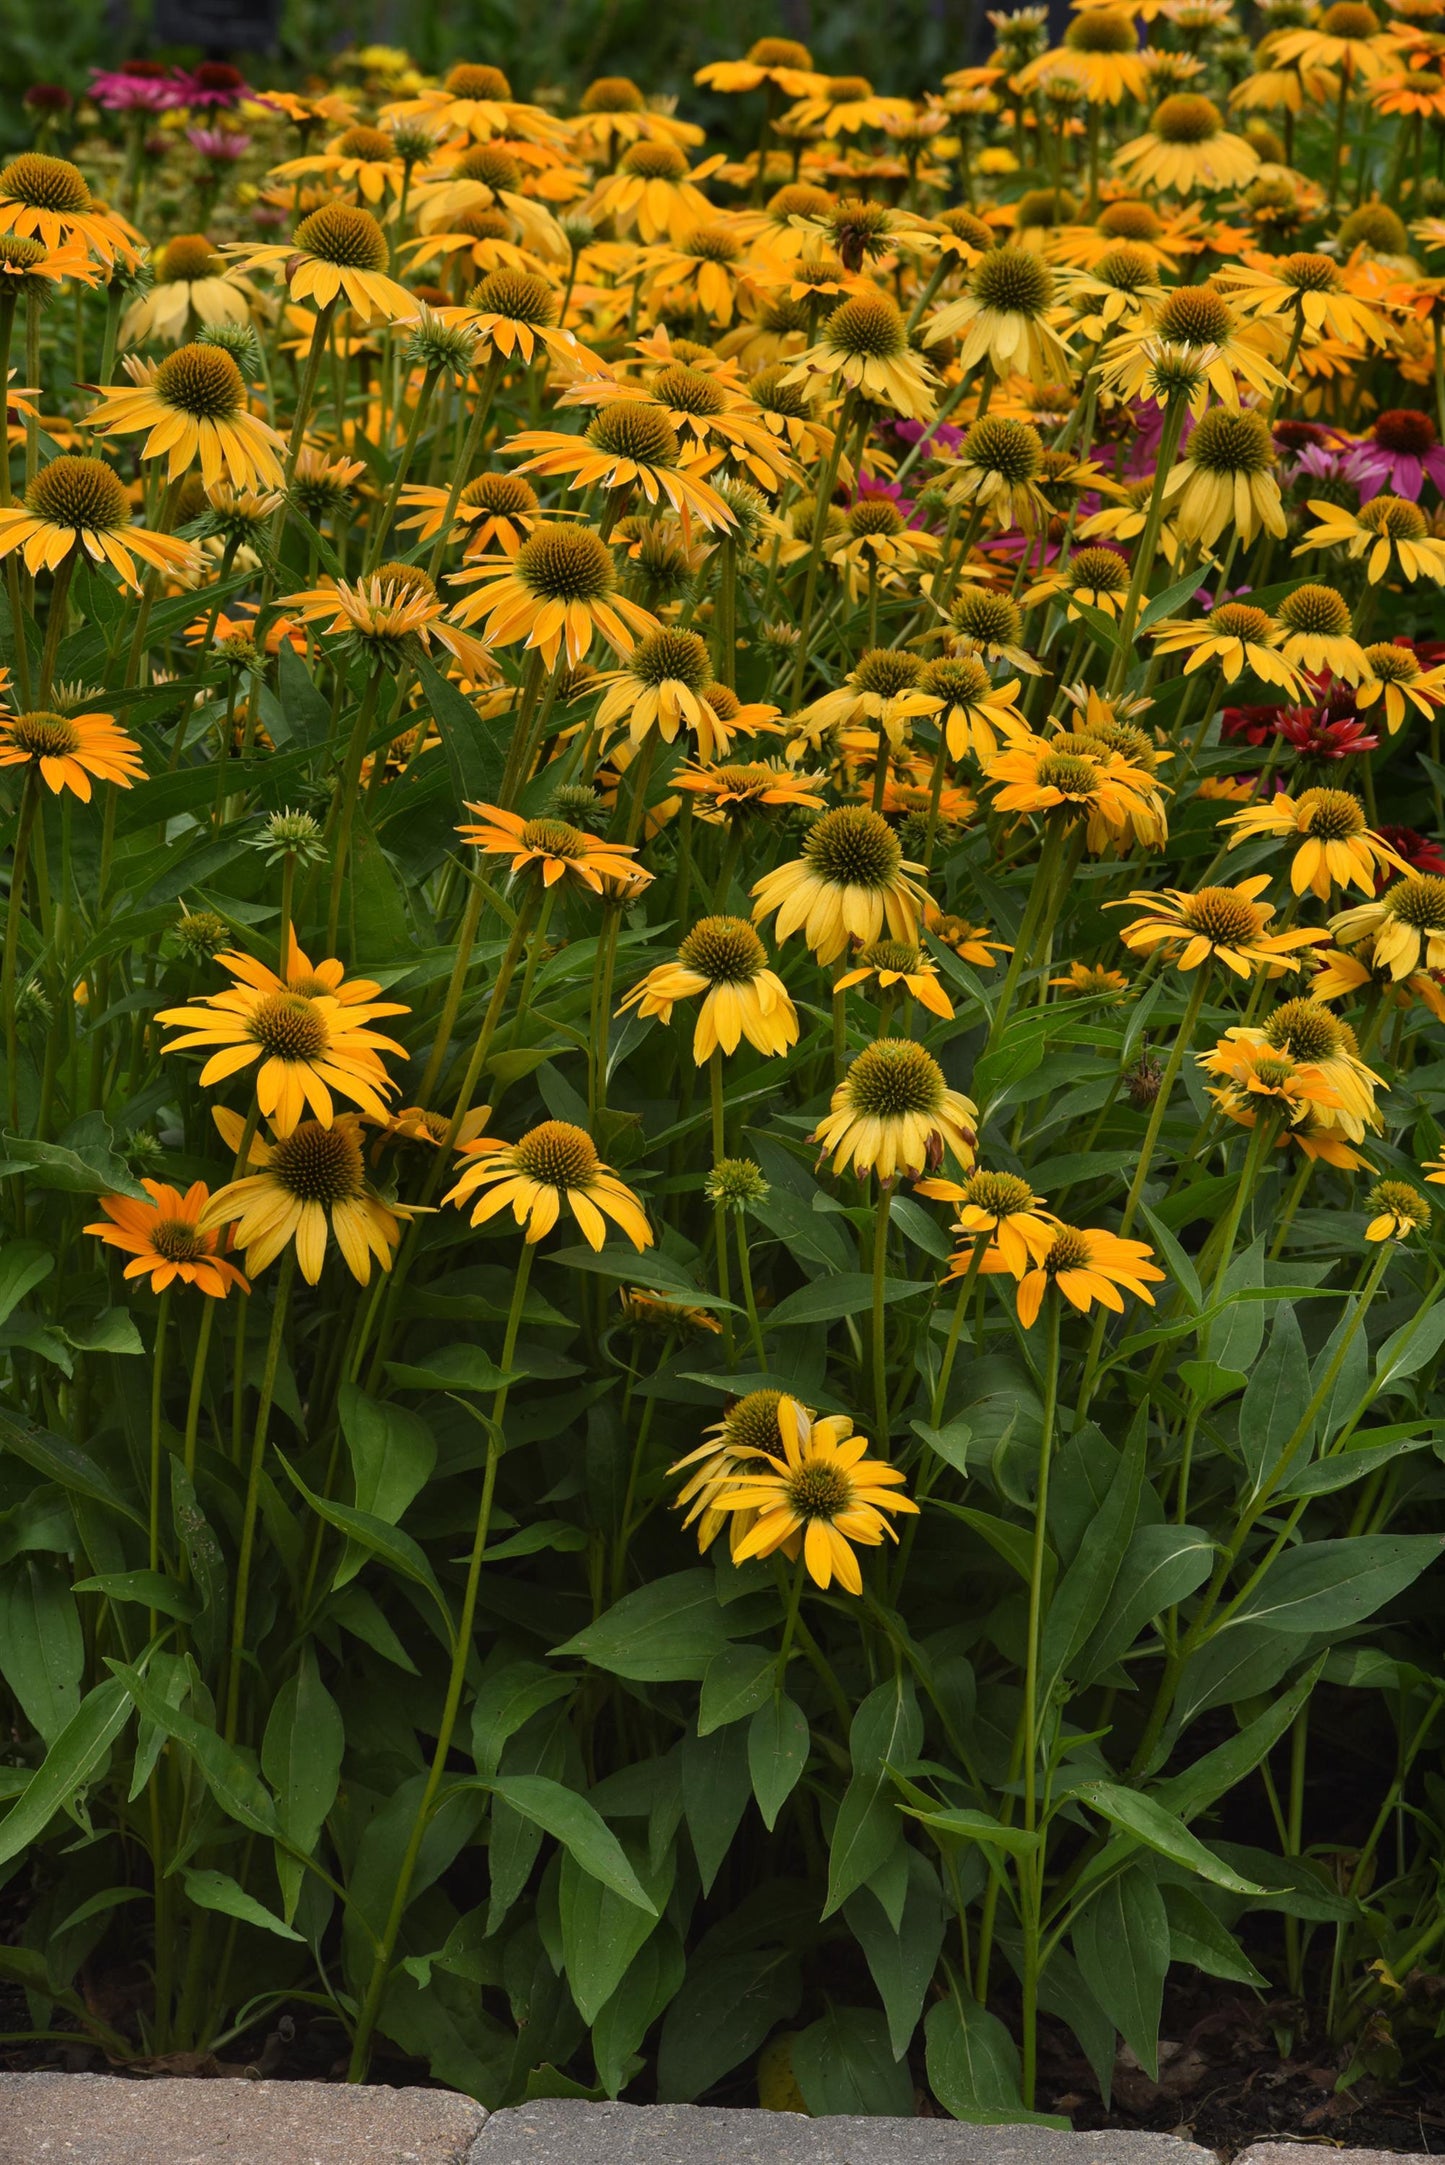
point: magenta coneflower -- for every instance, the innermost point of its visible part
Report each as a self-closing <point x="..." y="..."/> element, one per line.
<point x="137" y="86"/>
<point x="214" y="86"/>
<point x="1397" y="455"/>
<point x="221" y="145"/>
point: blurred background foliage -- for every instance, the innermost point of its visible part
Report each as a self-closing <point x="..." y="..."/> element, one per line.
<point x="902" y="45"/>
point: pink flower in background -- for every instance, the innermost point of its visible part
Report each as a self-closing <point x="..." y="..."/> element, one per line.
<point x="138" y="86"/>
<point x="221" y="145"/>
<point x="1399" y="453"/>
<point x="214" y="84"/>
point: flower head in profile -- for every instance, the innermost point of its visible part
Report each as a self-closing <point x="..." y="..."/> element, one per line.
<point x="1390" y="531"/>
<point x="1187" y="150"/>
<point x="307" y="1033"/>
<point x="723" y="961"/>
<point x="1221" y="924"/>
<point x="821" y="1496"/>
<point x="1337" y="848"/>
<point x="310" y="1187"/>
<point x="1406" y="925"/>
<point x="888" y="963"/>
<point x="746" y="1441"/>
<point x="666" y="685"/>
<point x="894" y="1113"/>
<point x="1400" y="1211"/>
<point x="999" y="1212"/>
<point x="1237" y="636"/>
<point x="1003" y="318"/>
<point x="851" y="882"/>
<point x="68" y="750"/>
<point x="1400" y="684"/>
<point x="552" y="848"/>
<point x="1254" y="1076"/>
<point x="165" y="1240"/>
<point x="49" y="199"/>
<point x="1088" y="1265"/>
<point x="555" y="1165"/>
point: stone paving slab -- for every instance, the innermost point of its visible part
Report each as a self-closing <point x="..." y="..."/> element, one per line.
<point x="108" y="2120"/>
<point x="563" y="2133"/>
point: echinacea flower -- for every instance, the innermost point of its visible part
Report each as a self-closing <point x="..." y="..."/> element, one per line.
<point x="68" y="749"/>
<point x="1400" y="1211"/>
<point x="1398" y="453"/>
<point x="165" y="1240"/>
<point x="1237" y="636"/>
<point x="1225" y="479"/>
<point x="897" y="962"/>
<point x="627" y="447"/>
<point x="1406" y="925"/>
<point x="308" y="1030"/>
<point x="1393" y="532"/>
<point x="338" y="253"/>
<point x="494" y="511"/>
<point x="739" y="791"/>
<point x="894" y="1113"/>
<point x="49" y="199"/>
<point x="863" y="347"/>
<point x="851" y="882"/>
<point x="722" y="959"/>
<point x="1187" y="150"/>
<point x="1222" y="924"/>
<point x="559" y="589"/>
<point x="745" y="1441"/>
<point x="1003" y="318"/>
<point x="195" y="406"/>
<point x="999" y="1212"/>
<point x="553" y="1165"/>
<point x="820" y="1497"/>
<point x="1337" y="847"/>
<point x="1088" y="1265"/>
<point x="191" y="284"/>
<point x="1319" y="633"/>
<point x="310" y="1187"/>
<point x="1255" y="1076"/>
<point x="80" y="504"/>
<point x="552" y="847"/>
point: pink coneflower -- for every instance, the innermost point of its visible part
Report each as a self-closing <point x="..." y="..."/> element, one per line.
<point x="1249" y="724"/>
<point x="1397" y="455"/>
<point x="1314" y="735"/>
<point x="47" y="98"/>
<point x="943" y="438"/>
<point x="214" y="85"/>
<point x="137" y="86"/>
<point x="221" y="145"/>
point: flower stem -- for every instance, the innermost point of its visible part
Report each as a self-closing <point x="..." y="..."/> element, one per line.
<point x="251" y="1509"/>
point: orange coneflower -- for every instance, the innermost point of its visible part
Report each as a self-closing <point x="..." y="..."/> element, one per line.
<point x="1088" y="1265"/>
<point x="68" y="749"/>
<point x="556" y="849"/>
<point x="1226" y="924"/>
<point x="194" y="404"/>
<point x="49" y="199"/>
<point x="80" y="503"/>
<point x="627" y="447"/>
<point x="166" y="1241"/>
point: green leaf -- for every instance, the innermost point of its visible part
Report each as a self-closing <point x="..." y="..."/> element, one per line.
<point x="1148" y="1822"/>
<point x="843" y="2063"/>
<point x="901" y="1962"/>
<point x="651" y="1983"/>
<point x="1277" y="1393"/>
<point x="1407" y="1350"/>
<point x="1197" y="1936"/>
<point x="146" y="1589"/>
<point x="667" y="1632"/>
<point x="23" y="1264"/>
<point x="42" y="1653"/>
<point x="967" y="1824"/>
<point x="736" y="1682"/>
<point x="1122" y="1946"/>
<point x="1333" y="1585"/>
<point x="306" y="709"/>
<point x="93" y="1169"/>
<point x="887" y="1730"/>
<point x="227" y="1771"/>
<point x="1085" y="1589"/>
<point x="950" y="1443"/>
<point x="602" y="1932"/>
<point x="392" y="1451"/>
<point x="1013" y="1543"/>
<point x="394" y="1548"/>
<point x="1164" y="1566"/>
<point x="973" y="2066"/>
<point x="578" y="1826"/>
<point x="451" y="1368"/>
<point x="67" y="1766"/>
<point x="1166" y="603"/>
<point x="301" y="1755"/>
<point x="715" y="1792"/>
<point x="64" y="1463"/>
<point x="474" y="747"/>
<point x="506" y="1701"/>
<point x="1327" y="1475"/>
<point x="215" y="1890"/>
<point x="842" y="1293"/>
<point x="730" y="2002"/>
<point x="1199" y="1785"/>
<point x="779" y="1741"/>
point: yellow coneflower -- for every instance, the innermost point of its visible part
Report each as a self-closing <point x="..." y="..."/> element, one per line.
<point x="1003" y="318"/>
<point x="1069" y="777"/>
<point x="887" y="963"/>
<point x="560" y="589"/>
<point x="1223" y="924"/>
<point x="76" y="504"/>
<point x="863" y="346"/>
<point x="844" y="105"/>
<point x="1092" y="981"/>
<point x="1094" y="578"/>
<point x="1088" y="1265"/>
<point x="553" y="1164"/>
<point x="722" y="959"/>
<point x="893" y="1113"/>
<point x="1347" y="38"/>
<point x="1337" y="848"/>
<point x="728" y="793"/>
<point x="1406" y="925"/>
<point x="309" y="1034"/>
<point x="654" y="192"/>
<point x="1319" y="634"/>
<point x="662" y="686"/>
<point x="745" y="1441"/>
<point x="1187" y="150"/>
<point x="49" y="199"/>
<point x="1236" y="635"/>
<point x="997" y="467"/>
<point x="552" y="847"/>
<point x="394" y="611"/>
<point x="1306" y="1030"/>
<point x="1315" y="287"/>
<point x="494" y="511"/>
<point x="974" y="713"/>
<point x="1254" y="1074"/>
<point x="194" y="405"/>
<point x="165" y="1241"/>
<point x="1230" y="350"/>
<point x="1225" y="479"/>
<point x="1001" y="1210"/>
<point x="1395" y="533"/>
<point x="338" y="252"/>
<point x="1400" y="1211"/>
<point x="192" y="285"/>
<point x="362" y="158"/>
<point x="820" y="1496"/>
<point x="851" y="882"/>
<point x="971" y="943"/>
<point x="68" y="749"/>
<point x="627" y="447"/>
<point x="309" y="1186"/>
<point x="782" y="62"/>
<point x="1399" y="681"/>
